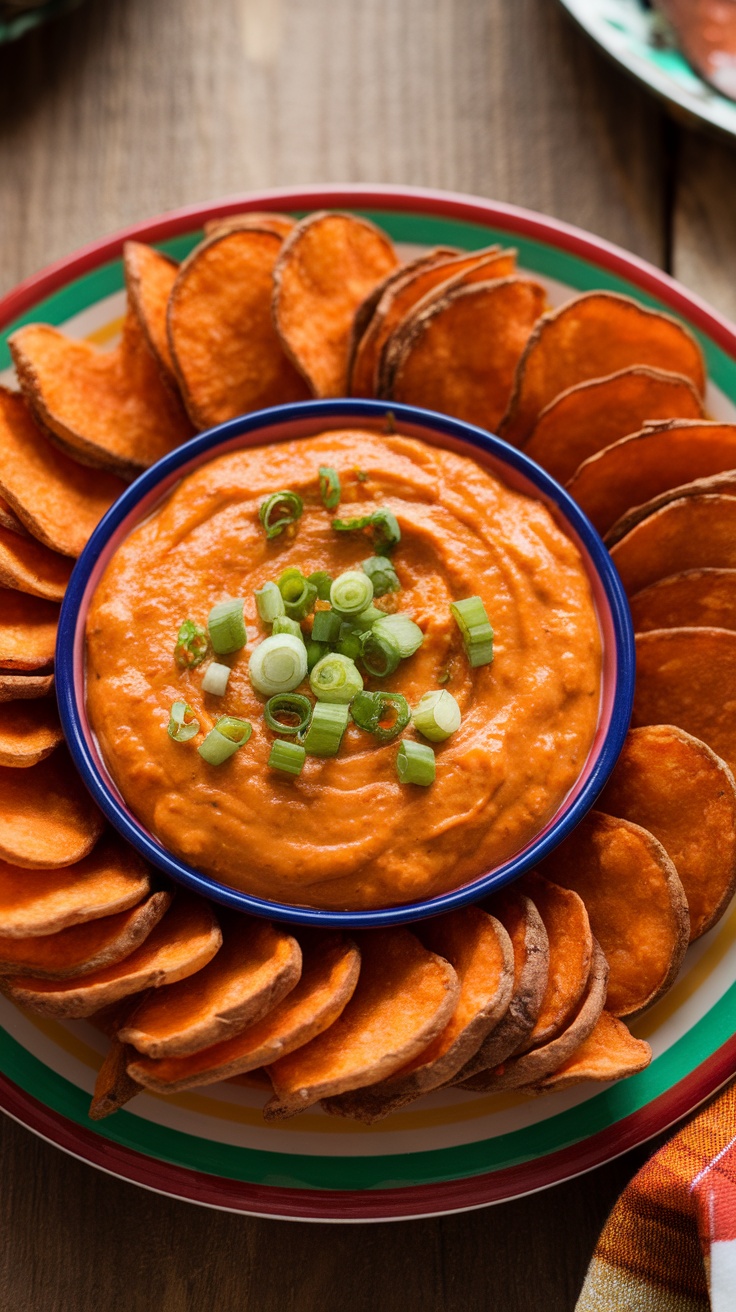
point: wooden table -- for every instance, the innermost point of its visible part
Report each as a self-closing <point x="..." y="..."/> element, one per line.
<point x="127" y="108"/>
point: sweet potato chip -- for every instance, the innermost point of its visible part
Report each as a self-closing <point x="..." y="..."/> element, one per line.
<point x="83" y="948"/>
<point x="458" y="351"/>
<point x="24" y="687"/>
<point x="113" y="1086"/>
<point x="481" y="953"/>
<point x="29" y="732"/>
<point x="610" y="1052"/>
<point x="696" y="599"/>
<point x="280" y="224"/>
<point x="591" y="336"/>
<point x="328" y="265"/>
<point x="58" y="500"/>
<point x="27" y="630"/>
<point x="404" y="998"/>
<point x="570" y="940"/>
<point x="684" y="677"/>
<point x="330" y="968"/>
<point x="725" y="482"/>
<point x="182" y="943"/>
<point x="227" y="356"/>
<point x="149" y="278"/>
<point x="690" y="533"/>
<point x="636" y="903"/>
<point x="8" y="517"/>
<point x="590" y="416"/>
<point x="677" y="788"/>
<point x="255" y="968"/>
<point x="47" y="817"/>
<point x="645" y="464"/>
<point x="29" y="567"/>
<point x="32" y="902"/>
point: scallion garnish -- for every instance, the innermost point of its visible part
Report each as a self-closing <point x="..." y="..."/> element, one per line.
<point x="475" y="627"/>
<point x="227" y="627"/>
<point x="288" y="712"/>
<point x="383" y="525"/>
<point x="278" y="664"/>
<point x="326" y="626"/>
<point x="415" y="763"/>
<point x="179" y="728"/>
<point x="298" y="593"/>
<point x="335" y="679"/>
<point x="382" y="575"/>
<point x="215" y="679"/>
<point x="322" y="582"/>
<point x="192" y="645"/>
<point x="348" y="641"/>
<point x="384" y="714"/>
<point x="223" y="741"/>
<point x="437" y="715"/>
<point x="269" y="602"/>
<point x="284" y="624"/>
<point x="329" y="486"/>
<point x="278" y="511"/>
<point x="379" y="652"/>
<point x="315" y="652"/>
<point x="289" y="757"/>
<point x="328" y="724"/>
<point x="351" y="593"/>
<point x="406" y="634"/>
<point x="367" y="618"/>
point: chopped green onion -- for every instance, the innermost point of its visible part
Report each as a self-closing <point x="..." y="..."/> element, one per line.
<point x="227" y="626"/>
<point x="335" y="679"/>
<point x="298" y="593"/>
<point x="322" y="582"/>
<point x="288" y="704"/>
<point x="415" y="763"/>
<point x="315" y="652"/>
<point x="215" y="679"/>
<point x="326" y="626"/>
<point x="223" y="741"/>
<point x="278" y="511"/>
<point x="382" y="575"/>
<point x="289" y="757"/>
<point x="192" y="645"/>
<point x="437" y="715"/>
<point x="329" y="486"/>
<point x="283" y="624"/>
<point x="278" y="664"/>
<point x="367" y="618"/>
<point x="475" y="627"/>
<point x="269" y="602"/>
<point x="379" y="652"/>
<point x="179" y="728"/>
<point x="445" y="676"/>
<point x="360" y="474"/>
<point x="405" y="633"/>
<point x="351" y="593"/>
<point x="371" y="709"/>
<point x="385" y="531"/>
<point x="329" y="722"/>
<point x="348" y="642"/>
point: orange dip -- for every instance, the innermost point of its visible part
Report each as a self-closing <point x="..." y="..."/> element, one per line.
<point x="346" y="833"/>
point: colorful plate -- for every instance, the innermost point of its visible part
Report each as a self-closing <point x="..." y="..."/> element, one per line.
<point x="452" y="1150"/>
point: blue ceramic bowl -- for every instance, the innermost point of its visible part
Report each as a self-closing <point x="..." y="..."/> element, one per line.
<point x="306" y="419"/>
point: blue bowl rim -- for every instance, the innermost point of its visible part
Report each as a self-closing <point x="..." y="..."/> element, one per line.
<point x="350" y="409"/>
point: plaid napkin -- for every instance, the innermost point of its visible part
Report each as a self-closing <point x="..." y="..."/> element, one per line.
<point x="669" y="1244"/>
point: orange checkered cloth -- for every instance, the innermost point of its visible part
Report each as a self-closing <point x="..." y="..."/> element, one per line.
<point x="669" y="1244"/>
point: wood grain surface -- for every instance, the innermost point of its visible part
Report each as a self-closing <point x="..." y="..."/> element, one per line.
<point x="130" y="107"/>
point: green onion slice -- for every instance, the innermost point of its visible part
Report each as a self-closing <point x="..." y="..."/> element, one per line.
<point x="298" y="593"/>
<point x="278" y="664"/>
<point x="415" y="763"/>
<point x="335" y="679"/>
<point x="223" y="741"/>
<point x="406" y="634"/>
<point x="315" y="652"/>
<point x="329" y="486"/>
<point x="227" y="626"/>
<point x="385" y="531"/>
<point x="475" y="627"/>
<point x="379" y="652"/>
<point x="384" y="714"/>
<point x="328" y="724"/>
<point x="351" y="593"/>
<point x="192" y="645"/>
<point x="269" y="602"/>
<point x="215" y="679"/>
<point x="382" y="575"/>
<point x="322" y="582"/>
<point x="179" y="728"/>
<point x="326" y="626"/>
<point x="283" y="624"/>
<point x="348" y="642"/>
<point x="289" y="757"/>
<point x="278" y="511"/>
<point x="437" y="715"/>
<point x="367" y="618"/>
<point x="294" y="709"/>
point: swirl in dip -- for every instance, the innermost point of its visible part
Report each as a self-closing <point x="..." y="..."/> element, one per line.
<point x="345" y="833"/>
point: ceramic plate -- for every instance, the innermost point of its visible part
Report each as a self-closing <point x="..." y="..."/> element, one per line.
<point x="452" y="1150"/>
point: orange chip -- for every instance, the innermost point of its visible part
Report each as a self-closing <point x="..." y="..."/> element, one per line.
<point x="645" y="464"/>
<point x="457" y="351"/>
<point x="113" y="1086"/>
<point x="404" y="998"/>
<point x="182" y="943"/>
<point x="725" y="482"/>
<point x="29" y="732"/>
<point x="684" y="677"/>
<point x="329" y="974"/>
<point x="591" y="336"/>
<point x="677" y="788"/>
<point x="29" y="567"/>
<point x="636" y="903"/>
<point x="695" y="599"/>
<point x="47" y="818"/>
<point x="8" y="517"/>
<point x="226" y="353"/>
<point x="570" y="940"/>
<point x="280" y="224"/>
<point x="255" y="968"/>
<point x="610" y="1052"/>
<point x="149" y="278"/>
<point x="590" y="416"/>
<point x="24" y="687"/>
<point x="38" y="902"/>
<point x="692" y="532"/>
<point x="86" y="947"/>
<point x="27" y="630"/>
<point x="327" y="267"/>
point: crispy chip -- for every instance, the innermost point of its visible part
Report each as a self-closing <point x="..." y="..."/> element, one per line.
<point x="24" y="687"/>
<point x="27" y="630"/>
<point x="29" y="732"/>
<point x="8" y="517"/>
<point x="39" y="902"/>
<point x="482" y="955"/>
<point x="47" y="818"/>
<point x="227" y="356"/>
<point x="280" y="224"/>
<point x="570" y="940"/>
<point x="590" y="416"/>
<point x="255" y="968"/>
<point x="113" y="1086"/>
<point x="725" y="482"/>
<point x="685" y="677"/>
<point x="592" y="336"/>
<point x="149" y="278"/>
<point x="636" y="903"/>
<point x="677" y="788"/>
<point x="457" y="352"/>
<point x="692" y="532"/>
<point x="182" y="943"/>
<point x="695" y="599"/>
<point x="86" y="947"/>
<point x="327" y="267"/>
<point x="404" y="998"/>
<point x="30" y="567"/>
<point x="643" y="465"/>
<point x="58" y="500"/>
<point x="610" y="1052"/>
<point x="330" y="968"/>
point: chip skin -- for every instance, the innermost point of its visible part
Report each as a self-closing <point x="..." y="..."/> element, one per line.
<point x="47" y="818"/>
<point x="29" y="732"/>
<point x="149" y="277"/>
<point x="24" y="687"/>
<point x="27" y="630"/>
<point x="610" y="1052"/>
<point x="570" y="948"/>
<point x="9" y="519"/>
<point x="280" y="224"/>
<point x="692" y="532"/>
<point x="725" y="482"/>
<point x="38" y="902"/>
<point x="683" y="677"/>
<point x="28" y="566"/>
<point x="113" y="1086"/>
<point x="695" y="599"/>
<point x="83" y="948"/>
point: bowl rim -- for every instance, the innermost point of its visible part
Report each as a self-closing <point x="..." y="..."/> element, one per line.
<point x="197" y="451"/>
